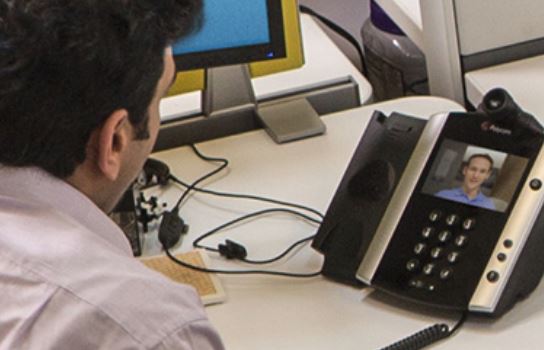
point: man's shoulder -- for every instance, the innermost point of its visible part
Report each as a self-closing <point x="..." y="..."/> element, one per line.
<point x="128" y="307"/>
<point x="97" y="282"/>
<point x="144" y="302"/>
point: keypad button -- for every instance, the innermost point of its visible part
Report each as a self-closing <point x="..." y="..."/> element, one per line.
<point x="412" y="265"/>
<point x="469" y="223"/>
<point x="452" y="219"/>
<point x="453" y="257"/>
<point x="436" y="252"/>
<point x="416" y="283"/>
<point x="435" y="215"/>
<point x="427" y="232"/>
<point x="446" y="273"/>
<point x="444" y="236"/>
<point x="461" y="241"/>
<point x="428" y="269"/>
<point x="420" y="248"/>
<point x="431" y="287"/>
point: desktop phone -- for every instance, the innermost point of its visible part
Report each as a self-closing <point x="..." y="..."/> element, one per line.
<point x="445" y="212"/>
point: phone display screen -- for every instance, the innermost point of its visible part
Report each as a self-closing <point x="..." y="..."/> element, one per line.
<point x="473" y="175"/>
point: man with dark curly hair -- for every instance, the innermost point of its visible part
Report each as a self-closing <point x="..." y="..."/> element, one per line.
<point x="80" y="85"/>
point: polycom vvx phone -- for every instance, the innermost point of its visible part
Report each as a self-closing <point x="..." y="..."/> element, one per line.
<point x="445" y="212"/>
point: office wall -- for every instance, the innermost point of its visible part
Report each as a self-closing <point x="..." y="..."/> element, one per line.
<point x="511" y="22"/>
<point x="349" y="14"/>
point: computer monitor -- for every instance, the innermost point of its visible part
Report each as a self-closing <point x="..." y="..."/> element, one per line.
<point x="233" y="32"/>
<point x="238" y="39"/>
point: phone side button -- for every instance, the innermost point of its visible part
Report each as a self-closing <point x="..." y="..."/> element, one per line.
<point x="493" y="276"/>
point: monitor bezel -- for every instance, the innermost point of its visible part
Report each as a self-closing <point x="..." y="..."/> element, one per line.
<point x="241" y="54"/>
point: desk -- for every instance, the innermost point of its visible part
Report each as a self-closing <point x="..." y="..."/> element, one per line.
<point x="281" y="313"/>
<point x="523" y="79"/>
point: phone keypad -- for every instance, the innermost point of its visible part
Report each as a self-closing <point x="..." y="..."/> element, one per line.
<point x="439" y="249"/>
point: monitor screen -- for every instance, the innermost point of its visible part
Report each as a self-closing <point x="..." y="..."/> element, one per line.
<point x="235" y="41"/>
<point x="233" y="32"/>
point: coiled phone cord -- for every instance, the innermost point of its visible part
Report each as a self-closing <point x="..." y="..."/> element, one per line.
<point x="426" y="336"/>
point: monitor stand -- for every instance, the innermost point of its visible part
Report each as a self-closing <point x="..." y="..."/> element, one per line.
<point x="229" y="90"/>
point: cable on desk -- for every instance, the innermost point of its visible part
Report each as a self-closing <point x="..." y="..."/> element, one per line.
<point x="235" y="247"/>
<point x="224" y="163"/>
<point x="427" y="336"/>
<point x="172" y="226"/>
<point x="340" y="31"/>
<point x="230" y="249"/>
<point x="233" y="250"/>
<point x="246" y="196"/>
<point x="241" y="272"/>
<point x="227" y="250"/>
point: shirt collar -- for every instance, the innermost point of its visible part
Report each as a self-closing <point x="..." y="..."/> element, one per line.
<point x="35" y="185"/>
<point x="479" y="197"/>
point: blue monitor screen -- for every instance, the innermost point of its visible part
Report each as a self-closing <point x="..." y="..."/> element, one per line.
<point x="223" y="28"/>
<point x="231" y="32"/>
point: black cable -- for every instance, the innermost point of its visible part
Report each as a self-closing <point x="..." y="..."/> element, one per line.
<point x="246" y="196"/>
<point x="340" y="31"/>
<point x="427" y="336"/>
<point x="232" y="249"/>
<point x="241" y="272"/>
<point x="246" y="217"/>
<point x="459" y="323"/>
<point x="190" y="187"/>
<point x="281" y="255"/>
<point x="193" y="186"/>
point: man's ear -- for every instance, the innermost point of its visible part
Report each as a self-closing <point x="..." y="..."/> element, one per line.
<point x="113" y="139"/>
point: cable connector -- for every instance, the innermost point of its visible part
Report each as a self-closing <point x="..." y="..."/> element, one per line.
<point x="232" y="250"/>
<point x="171" y="229"/>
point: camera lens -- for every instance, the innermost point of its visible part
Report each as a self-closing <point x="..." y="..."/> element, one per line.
<point x="495" y="99"/>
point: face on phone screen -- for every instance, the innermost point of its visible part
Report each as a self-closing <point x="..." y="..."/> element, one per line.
<point x="475" y="176"/>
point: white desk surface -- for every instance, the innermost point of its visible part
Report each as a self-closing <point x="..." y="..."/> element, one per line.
<point x="523" y="79"/>
<point x="282" y="313"/>
<point x="324" y="64"/>
<point x="407" y="15"/>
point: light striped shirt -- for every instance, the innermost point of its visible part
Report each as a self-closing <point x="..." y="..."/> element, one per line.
<point x="68" y="279"/>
